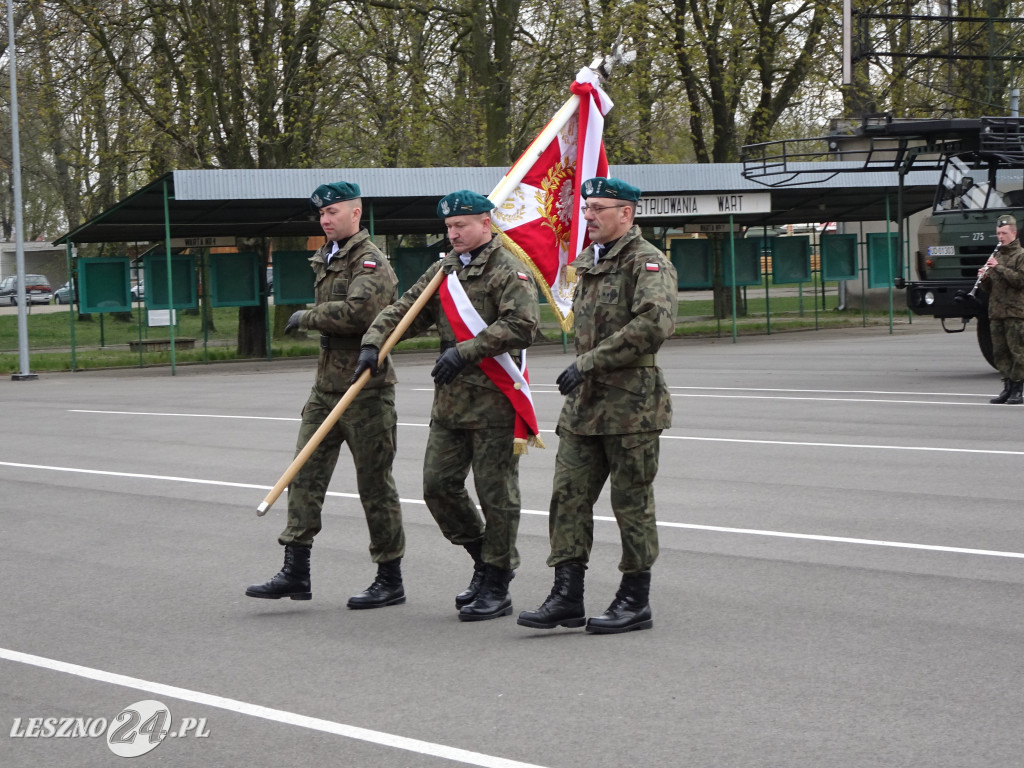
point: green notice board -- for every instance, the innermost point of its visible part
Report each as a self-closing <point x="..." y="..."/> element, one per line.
<point x="293" y="277"/>
<point x="183" y="279"/>
<point x="883" y="251"/>
<point x="105" y="285"/>
<point x="410" y="264"/>
<point x="791" y="259"/>
<point x="838" y="257"/>
<point x="234" y="280"/>
<point x="693" y="262"/>
<point x="748" y="261"/>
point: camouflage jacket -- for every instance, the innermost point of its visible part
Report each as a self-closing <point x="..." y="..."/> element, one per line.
<point x="350" y="291"/>
<point x="1005" y="283"/>
<point x="623" y="309"/>
<point x="506" y="298"/>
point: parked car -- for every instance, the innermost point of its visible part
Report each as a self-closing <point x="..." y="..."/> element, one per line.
<point x="37" y="290"/>
<point x="139" y="291"/>
<point x="64" y="295"/>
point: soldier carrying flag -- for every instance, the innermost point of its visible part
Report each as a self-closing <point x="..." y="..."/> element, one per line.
<point x="486" y="314"/>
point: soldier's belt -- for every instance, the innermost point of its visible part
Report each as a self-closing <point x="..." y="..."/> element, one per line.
<point x="340" y="342"/>
<point x="644" y="361"/>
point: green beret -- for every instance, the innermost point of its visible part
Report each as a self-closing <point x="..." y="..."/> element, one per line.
<point x="337" y="192"/>
<point x="1006" y="220"/>
<point x="616" y="189"/>
<point x="463" y="203"/>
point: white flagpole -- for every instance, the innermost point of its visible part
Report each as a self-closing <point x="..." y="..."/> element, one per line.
<point x="533" y="152"/>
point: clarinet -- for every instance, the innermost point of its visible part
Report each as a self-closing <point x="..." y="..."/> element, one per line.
<point x="981" y="275"/>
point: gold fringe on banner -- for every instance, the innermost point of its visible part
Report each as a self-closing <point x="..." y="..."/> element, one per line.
<point x="515" y="248"/>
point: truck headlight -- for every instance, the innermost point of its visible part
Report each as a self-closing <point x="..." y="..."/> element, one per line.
<point x="929" y="298"/>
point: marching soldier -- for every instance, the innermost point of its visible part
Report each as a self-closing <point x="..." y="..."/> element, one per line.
<point x="616" y="406"/>
<point x="354" y="281"/>
<point x="486" y="313"/>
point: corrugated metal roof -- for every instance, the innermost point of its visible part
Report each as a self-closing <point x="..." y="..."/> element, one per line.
<point x="275" y="203"/>
<point x="298" y="184"/>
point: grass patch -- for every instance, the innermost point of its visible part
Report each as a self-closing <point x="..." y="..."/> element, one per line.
<point x="105" y="344"/>
<point x="53" y="329"/>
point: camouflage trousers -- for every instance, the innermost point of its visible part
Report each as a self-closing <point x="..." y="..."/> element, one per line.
<point x="369" y="427"/>
<point x="449" y="456"/>
<point x="582" y="465"/>
<point x="1008" y="347"/>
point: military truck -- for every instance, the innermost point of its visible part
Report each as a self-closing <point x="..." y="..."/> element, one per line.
<point x="980" y="163"/>
<point x="958" y="237"/>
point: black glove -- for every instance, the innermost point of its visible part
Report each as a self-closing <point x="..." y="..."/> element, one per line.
<point x="292" y="325"/>
<point x="368" y="356"/>
<point x="448" y="366"/>
<point x="569" y="379"/>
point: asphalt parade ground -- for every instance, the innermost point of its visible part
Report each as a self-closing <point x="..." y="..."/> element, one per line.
<point x="841" y="579"/>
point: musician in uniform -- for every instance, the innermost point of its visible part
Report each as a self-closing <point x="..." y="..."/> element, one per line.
<point x="616" y="406"/>
<point x="486" y="314"/>
<point x="353" y="282"/>
<point x="1002" y="277"/>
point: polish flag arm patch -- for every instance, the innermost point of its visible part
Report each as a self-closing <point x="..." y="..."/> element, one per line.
<point x="522" y="276"/>
<point x="652" y="267"/>
<point x="370" y="264"/>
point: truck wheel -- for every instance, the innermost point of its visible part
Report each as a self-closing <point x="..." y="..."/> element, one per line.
<point x="985" y="340"/>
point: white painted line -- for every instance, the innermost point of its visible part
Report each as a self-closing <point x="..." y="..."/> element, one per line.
<point x="174" y="479"/>
<point x="838" y="391"/>
<point x="222" y="416"/>
<point x="831" y="399"/>
<point x="664" y="436"/>
<point x="879" y="447"/>
<point x="277" y="715"/>
<point x="544" y="513"/>
<point x="136" y="475"/>
<point x="552" y="391"/>
<point x="841" y="539"/>
<point x="184" y="415"/>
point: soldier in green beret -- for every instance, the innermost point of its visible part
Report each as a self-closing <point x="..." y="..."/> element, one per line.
<point x="472" y="422"/>
<point x="616" y="406"/>
<point x="353" y="282"/>
<point x="1003" y="278"/>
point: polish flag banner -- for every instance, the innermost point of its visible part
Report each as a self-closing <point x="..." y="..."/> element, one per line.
<point x="539" y="216"/>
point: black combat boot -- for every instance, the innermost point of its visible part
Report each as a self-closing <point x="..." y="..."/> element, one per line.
<point x="492" y="600"/>
<point x="629" y="610"/>
<point x="1016" y="393"/>
<point x="291" y="581"/>
<point x="386" y="589"/>
<point x="468" y="595"/>
<point x="564" y="606"/>
<point x="1003" y="396"/>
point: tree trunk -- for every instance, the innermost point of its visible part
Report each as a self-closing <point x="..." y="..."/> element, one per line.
<point x="252" y="321"/>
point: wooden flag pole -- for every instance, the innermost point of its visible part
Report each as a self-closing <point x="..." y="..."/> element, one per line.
<point x="350" y="394"/>
<point x="498" y="195"/>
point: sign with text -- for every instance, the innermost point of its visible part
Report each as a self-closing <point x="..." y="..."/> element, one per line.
<point x="159" y="317"/>
<point x="708" y="229"/>
<point x="705" y="205"/>
<point x="202" y="242"/>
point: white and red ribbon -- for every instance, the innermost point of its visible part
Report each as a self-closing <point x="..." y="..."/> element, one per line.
<point x="512" y="380"/>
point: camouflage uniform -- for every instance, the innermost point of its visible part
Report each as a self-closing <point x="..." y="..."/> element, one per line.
<point x="350" y="291"/>
<point x="1005" y="285"/>
<point x="624" y="308"/>
<point x="471" y="421"/>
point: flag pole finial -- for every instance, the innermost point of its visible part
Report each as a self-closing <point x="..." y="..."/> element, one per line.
<point x="603" y="65"/>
